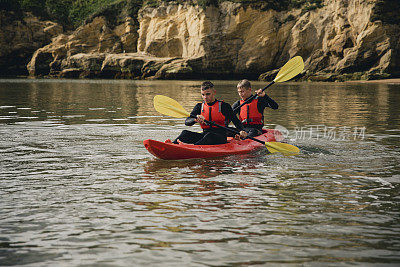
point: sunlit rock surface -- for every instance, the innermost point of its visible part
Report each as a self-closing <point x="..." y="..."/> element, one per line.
<point x="341" y="40"/>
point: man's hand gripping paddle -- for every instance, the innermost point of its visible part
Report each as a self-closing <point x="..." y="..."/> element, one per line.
<point x="287" y="72"/>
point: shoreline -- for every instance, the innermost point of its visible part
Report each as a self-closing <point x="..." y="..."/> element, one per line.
<point x="22" y="77"/>
<point x="386" y="81"/>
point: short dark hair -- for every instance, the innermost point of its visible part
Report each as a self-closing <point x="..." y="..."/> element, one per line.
<point x="207" y="85"/>
<point x="244" y="83"/>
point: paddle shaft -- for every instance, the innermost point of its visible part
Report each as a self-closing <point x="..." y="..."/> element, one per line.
<point x="252" y="97"/>
<point x="232" y="131"/>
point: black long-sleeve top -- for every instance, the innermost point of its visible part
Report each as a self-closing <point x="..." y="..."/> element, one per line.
<point x="226" y="110"/>
<point x="263" y="102"/>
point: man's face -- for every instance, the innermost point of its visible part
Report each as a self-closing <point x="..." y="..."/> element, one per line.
<point x="244" y="93"/>
<point x="208" y="95"/>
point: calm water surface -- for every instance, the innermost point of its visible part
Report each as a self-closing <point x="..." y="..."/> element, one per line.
<point x="78" y="187"/>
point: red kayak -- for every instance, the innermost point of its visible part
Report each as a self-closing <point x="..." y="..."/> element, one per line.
<point x="170" y="151"/>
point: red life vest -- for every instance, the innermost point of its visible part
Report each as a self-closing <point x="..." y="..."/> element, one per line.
<point x="212" y="113"/>
<point x="249" y="113"/>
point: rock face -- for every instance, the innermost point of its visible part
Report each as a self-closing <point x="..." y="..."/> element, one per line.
<point x="20" y="36"/>
<point x="85" y="49"/>
<point x="341" y="40"/>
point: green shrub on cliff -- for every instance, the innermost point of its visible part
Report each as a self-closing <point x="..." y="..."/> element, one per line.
<point x="71" y="13"/>
<point x="262" y="4"/>
<point x="37" y="7"/>
<point x="82" y="9"/>
<point x="268" y="4"/>
<point x="59" y="9"/>
<point x="47" y="9"/>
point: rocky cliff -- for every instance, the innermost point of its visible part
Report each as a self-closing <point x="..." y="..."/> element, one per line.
<point x="344" y="39"/>
<point x="20" y="37"/>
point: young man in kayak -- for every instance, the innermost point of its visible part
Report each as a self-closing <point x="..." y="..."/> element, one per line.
<point x="252" y="114"/>
<point x="212" y="110"/>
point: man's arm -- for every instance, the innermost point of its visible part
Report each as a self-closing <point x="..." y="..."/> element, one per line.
<point x="190" y="121"/>
<point x="266" y="101"/>
<point x="234" y="107"/>
<point x="228" y="113"/>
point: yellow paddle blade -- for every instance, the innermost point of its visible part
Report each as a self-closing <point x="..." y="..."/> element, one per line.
<point x="290" y="69"/>
<point x="169" y="107"/>
<point x="271" y="149"/>
<point x="285" y="149"/>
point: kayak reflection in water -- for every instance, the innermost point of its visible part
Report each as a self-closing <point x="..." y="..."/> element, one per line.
<point x="213" y="110"/>
<point x="251" y="114"/>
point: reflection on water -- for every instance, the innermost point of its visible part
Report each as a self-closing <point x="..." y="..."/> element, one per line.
<point x="78" y="187"/>
<point x="338" y="104"/>
<point x="70" y="101"/>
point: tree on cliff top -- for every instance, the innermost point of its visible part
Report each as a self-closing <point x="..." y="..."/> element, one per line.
<point x="70" y="13"/>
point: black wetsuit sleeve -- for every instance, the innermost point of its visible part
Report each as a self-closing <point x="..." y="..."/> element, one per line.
<point x="235" y="107"/>
<point x="190" y="121"/>
<point x="227" y="111"/>
<point x="266" y="101"/>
